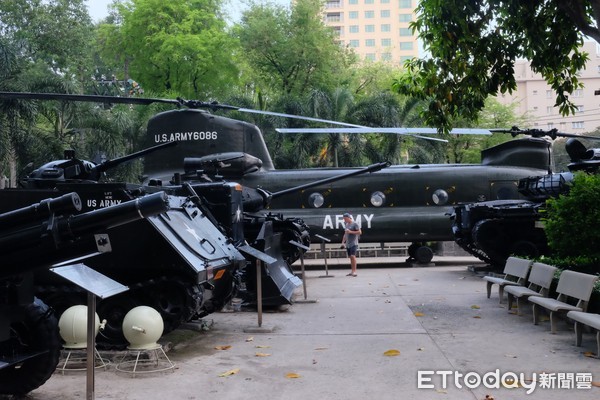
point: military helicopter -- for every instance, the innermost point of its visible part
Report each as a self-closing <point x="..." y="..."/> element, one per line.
<point x="402" y="203"/>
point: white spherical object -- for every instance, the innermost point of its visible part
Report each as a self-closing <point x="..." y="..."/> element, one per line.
<point x="73" y="327"/>
<point x="142" y="327"/>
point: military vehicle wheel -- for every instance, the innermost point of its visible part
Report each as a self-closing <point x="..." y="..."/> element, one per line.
<point x="113" y="310"/>
<point x="35" y="332"/>
<point x="424" y="254"/>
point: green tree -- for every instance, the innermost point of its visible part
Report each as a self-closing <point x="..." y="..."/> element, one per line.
<point x="55" y="32"/>
<point x="474" y="44"/>
<point x="571" y="221"/>
<point x="179" y="46"/>
<point x="292" y="51"/>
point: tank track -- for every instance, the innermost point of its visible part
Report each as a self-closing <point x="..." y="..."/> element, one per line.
<point x="474" y="251"/>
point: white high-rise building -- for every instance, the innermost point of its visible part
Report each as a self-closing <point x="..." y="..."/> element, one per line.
<point x="377" y="30"/>
<point x="535" y="98"/>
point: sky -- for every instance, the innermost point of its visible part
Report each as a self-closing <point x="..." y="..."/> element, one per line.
<point x="98" y="9"/>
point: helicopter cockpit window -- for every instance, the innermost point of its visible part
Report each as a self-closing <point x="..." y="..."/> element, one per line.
<point x="440" y="197"/>
<point x="377" y="199"/>
<point x="316" y="200"/>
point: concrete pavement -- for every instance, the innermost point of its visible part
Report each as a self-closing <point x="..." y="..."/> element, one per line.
<point x="435" y="319"/>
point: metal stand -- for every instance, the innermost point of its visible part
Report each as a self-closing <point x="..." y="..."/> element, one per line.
<point x="97" y="285"/>
<point x="324" y="255"/>
<point x="260" y="258"/>
<point x="155" y="360"/>
<point x="76" y="361"/>
<point x="305" y="248"/>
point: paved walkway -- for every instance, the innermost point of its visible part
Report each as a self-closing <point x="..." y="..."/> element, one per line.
<point x="435" y="319"/>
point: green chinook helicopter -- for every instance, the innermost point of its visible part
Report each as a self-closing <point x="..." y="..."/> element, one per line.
<point x="401" y="203"/>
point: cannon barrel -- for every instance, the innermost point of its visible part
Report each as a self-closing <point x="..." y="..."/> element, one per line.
<point x="65" y="204"/>
<point x="106" y="165"/>
<point x="370" y="168"/>
<point x="58" y="230"/>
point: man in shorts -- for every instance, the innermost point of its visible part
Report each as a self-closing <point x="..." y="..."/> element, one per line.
<point x="351" y="234"/>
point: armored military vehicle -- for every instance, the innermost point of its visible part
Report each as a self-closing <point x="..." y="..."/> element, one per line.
<point x="494" y="230"/>
<point x="35" y="237"/>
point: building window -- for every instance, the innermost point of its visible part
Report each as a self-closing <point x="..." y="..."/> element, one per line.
<point x="386" y="28"/>
<point x="403" y="59"/>
<point x="550" y="125"/>
<point x="549" y="94"/>
<point x="370" y="56"/>
<point x="353" y="14"/>
<point x="334" y="17"/>
<point x="549" y="110"/>
<point x="405" y="32"/>
<point x="352" y="2"/>
<point x="385" y="13"/>
<point x="354" y="29"/>
<point x="406" y="45"/>
<point x="370" y="42"/>
<point x="369" y="28"/>
<point x="386" y="56"/>
<point x="577" y="125"/>
<point x="535" y="92"/>
<point x="369" y="14"/>
<point x="579" y="109"/>
<point x="578" y="93"/>
<point x="405" y="17"/>
<point x="369" y="1"/>
<point x="333" y="4"/>
<point x="354" y="43"/>
<point x="385" y="1"/>
<point x="386" y="42"/>
<point x="405" y="3"/>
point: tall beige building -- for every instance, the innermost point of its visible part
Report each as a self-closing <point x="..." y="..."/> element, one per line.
<point x="535" y="98"/>
<point x="377" y="30"/>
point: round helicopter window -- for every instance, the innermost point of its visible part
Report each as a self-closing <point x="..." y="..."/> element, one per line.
<point x="440" y="197"/>
<point x="316" y="200"/>
<point x="377" y="199"/>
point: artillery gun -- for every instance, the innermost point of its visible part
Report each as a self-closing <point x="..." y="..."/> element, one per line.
<point x="35" y="237"/>
<point x="494" y="230"/>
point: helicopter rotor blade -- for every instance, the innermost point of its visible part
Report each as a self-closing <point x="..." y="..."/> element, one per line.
<point x="398" y="131"/>
<point x="84" y="97"/>
<point x="538" y="133"/>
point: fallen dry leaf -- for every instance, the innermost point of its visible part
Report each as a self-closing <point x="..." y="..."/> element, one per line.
<point x="475" y="307"/>
<point x="589" y="354"/>
<point x="392" y="353"/>
<point x="419" y="314"/>
<point x="230" y="372"/>
<point x="510" y="356"/>
<point x="477" y="316"/>
<point x="226" y="347"/>
<point x="262" y="346"/>
<point x="321" y="348"/>
<point x="421" y="349"/>
<point x="441" y="391"/>
<point x="250" y="339"/>
<point x="596" y="384"/>
<point x="262" y="354"/>
<point x="292" y="375"/>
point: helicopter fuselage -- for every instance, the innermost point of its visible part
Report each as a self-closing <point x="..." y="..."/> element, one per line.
<point x="398" y="204"/>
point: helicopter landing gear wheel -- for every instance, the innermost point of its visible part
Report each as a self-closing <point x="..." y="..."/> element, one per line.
<point x="424" y="255"/>
<point x="36" y="332"/>
<point x="420" y="253"/>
